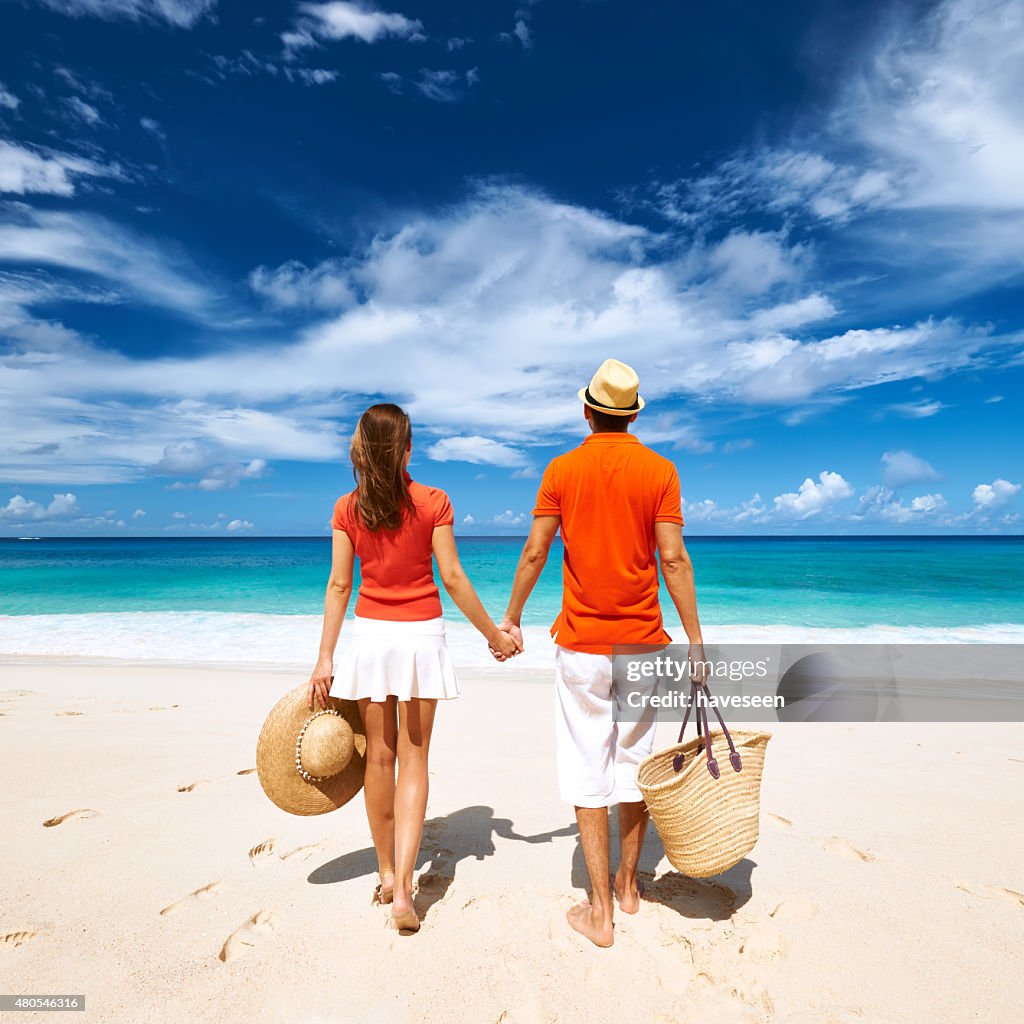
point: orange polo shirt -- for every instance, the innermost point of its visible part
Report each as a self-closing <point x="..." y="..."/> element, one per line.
<point x="609" y="492"/>
<point x="396" y="565"/>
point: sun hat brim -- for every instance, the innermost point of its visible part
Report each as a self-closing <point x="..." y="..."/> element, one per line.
<point x="275" y="757"/>
<point x="605" y="408"/>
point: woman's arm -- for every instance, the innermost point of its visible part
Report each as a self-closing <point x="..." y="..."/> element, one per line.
<point x="339" y="590"/>
<point x="461" y="591"/>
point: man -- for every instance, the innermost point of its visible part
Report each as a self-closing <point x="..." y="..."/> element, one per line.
<point x="617" y="503"/>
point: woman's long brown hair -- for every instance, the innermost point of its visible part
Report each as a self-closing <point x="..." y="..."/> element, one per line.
<point x="378" y="448"/>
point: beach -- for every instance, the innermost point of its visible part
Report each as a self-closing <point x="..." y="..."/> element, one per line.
<point x="144" y="868"/>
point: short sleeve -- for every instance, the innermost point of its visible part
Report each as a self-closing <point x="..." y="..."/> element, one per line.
<point x="548" y="500"/>
<point x="444" y="514"/>
<point x="340" y="521"/>
<point x="670" y="503"/>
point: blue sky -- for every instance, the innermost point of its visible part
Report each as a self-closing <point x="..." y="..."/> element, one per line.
<point x="226" y="228"/>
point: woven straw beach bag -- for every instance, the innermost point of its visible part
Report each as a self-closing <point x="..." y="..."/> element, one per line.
<point x="708" y="821"/>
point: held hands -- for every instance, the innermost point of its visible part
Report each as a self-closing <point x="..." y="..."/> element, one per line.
<point x="320" y="681"/>
<point x="506" y="642"/>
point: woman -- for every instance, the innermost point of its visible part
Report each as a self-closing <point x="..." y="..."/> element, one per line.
<point x="397" y="666"/>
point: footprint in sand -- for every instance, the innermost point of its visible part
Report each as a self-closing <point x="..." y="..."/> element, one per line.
<point x="843" y="848"/>
<point x="250" y="934"/>
<point x="304" y="852"/>
<point x="199" y="894"/>
<point x="261" y="850"/>
<point x="194" y="787"/>
<point x="81" y="812"/>
<point x="992" y="892"/>
<point x="14" y="939"/>
<point x="762" y="943"/>
<point x="163" y="707"/>
<point x="780" y="819"/>
<point x="246" y="771"/>
<point x="795" y="908"/>
<point x="67" y="714"/>
<point x="1016" y="760"/>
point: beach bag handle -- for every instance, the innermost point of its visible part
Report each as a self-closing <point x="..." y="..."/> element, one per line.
<point x="702" y="727"/>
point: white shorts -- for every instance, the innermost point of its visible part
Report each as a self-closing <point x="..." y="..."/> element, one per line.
<point x="387" y="658"/>
<point x="598" y="747"/>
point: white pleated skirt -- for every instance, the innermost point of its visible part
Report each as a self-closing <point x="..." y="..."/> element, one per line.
<point x="388" y="658"/>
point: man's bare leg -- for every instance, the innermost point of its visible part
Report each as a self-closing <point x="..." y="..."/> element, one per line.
<point x="632" y="829"/>
<point x="593" y="918"/>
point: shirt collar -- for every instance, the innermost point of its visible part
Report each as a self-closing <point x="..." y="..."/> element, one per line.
<point x="611" y="437"/>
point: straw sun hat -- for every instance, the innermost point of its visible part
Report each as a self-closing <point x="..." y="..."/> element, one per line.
<point x="311" y="762"/>
<point x="613" y="389"/>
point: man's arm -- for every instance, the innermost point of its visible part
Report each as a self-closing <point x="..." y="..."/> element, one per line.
<point x="677" y="569"/>
<point x="531" y="564"/>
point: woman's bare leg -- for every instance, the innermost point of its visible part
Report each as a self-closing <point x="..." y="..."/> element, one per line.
<point x="415" y="723"/>
<point x="380" y="721"/>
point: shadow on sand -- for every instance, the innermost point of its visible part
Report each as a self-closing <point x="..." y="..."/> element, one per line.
<point x="470" y="831"/>
<point x="714" y="899"/>
<point x="448" y="840"/>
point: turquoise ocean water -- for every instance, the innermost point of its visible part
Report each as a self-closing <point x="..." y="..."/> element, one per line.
<point x="260" y="599"/>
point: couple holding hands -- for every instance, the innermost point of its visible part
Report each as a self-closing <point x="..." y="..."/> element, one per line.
<point x="617" y="504"/>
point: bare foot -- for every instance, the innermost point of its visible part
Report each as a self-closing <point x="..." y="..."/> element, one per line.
<point x="628" y="895"/>
<point x="585" y="919"/>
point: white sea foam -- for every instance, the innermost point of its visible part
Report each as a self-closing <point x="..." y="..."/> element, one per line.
<point x="291" y="641"/>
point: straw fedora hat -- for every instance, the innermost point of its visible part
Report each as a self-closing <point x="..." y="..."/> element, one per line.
<point x="311" y="762"/>
<point x="613" y="389"/>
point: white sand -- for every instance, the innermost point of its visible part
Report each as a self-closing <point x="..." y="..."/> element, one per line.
<point x="885" y="887"/>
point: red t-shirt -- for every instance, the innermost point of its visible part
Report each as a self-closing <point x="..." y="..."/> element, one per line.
<point x="396" y="565"/>
<point x="610" y="491"/>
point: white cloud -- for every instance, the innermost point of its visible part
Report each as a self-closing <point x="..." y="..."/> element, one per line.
<point x="443" y="85"/>
<point x="239" y="524"/>
<point x="93" y="245"/>
<point x="521" y="33"/>
<point x="20" y="508"/>
<point x="880" y="503"/>
<point x="903" y="467"/>
<point x="468" y="520"/>
<point x="508" y="519"/>
<point x="924" y="141"/>
<point x="812" y="497"/>
<point x="152" y="126"/>
<point x="82" y="111"/>
<point x="184" y="458"/>
<point x="739" y="445"/>
<point x="7" y="98"/>
<point x="995" y="494"/>
<point x="138" y="513"/>
<point x="475" y="449"/>
<point x="343" y="20"/>
<point x="917" y="410"/>
<point x="178" y="13"/>
<point x="753" y="262"/>
<point x="230" y="475"/>
<point x="24" y="170"/>
<point x="294" y="285"/>
<point x="522" y="291"/>
<point x="993" y="399"/>
<point x="311" y="76"/>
